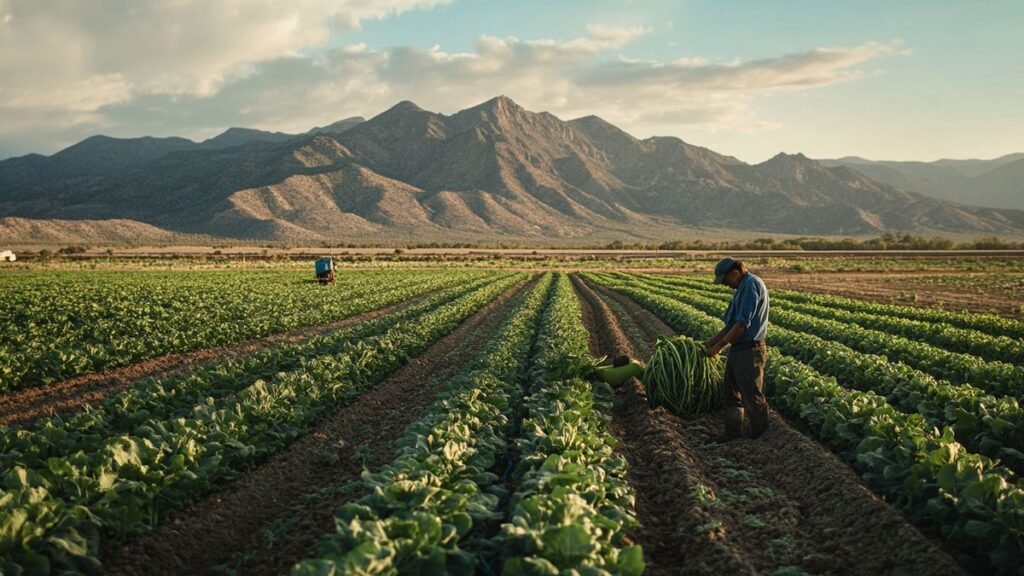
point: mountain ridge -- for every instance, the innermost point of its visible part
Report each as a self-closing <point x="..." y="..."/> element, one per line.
<point x="492" y="170"/>
<point x="965" y="181"/>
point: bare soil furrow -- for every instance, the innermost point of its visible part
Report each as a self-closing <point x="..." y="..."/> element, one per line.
<point x="760" y="505"/>
<point x="277" y="514"/>
<point x="660" y="466"/>
<point x="74" y="394"/>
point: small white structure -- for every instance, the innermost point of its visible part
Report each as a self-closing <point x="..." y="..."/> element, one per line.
<point x="7" y="256"/>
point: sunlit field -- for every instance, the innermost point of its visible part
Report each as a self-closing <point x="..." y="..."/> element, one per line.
<point x="441" y="413"/>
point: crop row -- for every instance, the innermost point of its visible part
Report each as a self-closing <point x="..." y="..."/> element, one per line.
<point x="987" y="424"/>
<point x="64" y="488"/>
<point x="176" y="396"/>
<point x="433" y="510"/>
<point x="988" y="323"/>
<point x="993" y="377"/>
<point x="424" y="505"/>
<point x="939" y="334"/>
<point x="50" y="331"/>
<point x="572" y="505"/>
<point x="969" y="498"/>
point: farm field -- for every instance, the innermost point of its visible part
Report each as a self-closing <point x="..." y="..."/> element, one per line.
<point x="441" y="417"/>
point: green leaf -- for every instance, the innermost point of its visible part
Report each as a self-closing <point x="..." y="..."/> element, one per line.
<point x="72" y="544"/>
<point x="976" y="529"/>
<point x="947" y="478"/>
<point x="567" y="545"/>
<point x="529" y="567"/>
<point x="631" y="561"/>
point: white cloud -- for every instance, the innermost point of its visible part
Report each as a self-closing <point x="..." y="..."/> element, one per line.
<point x="86" y="95"/>
<point x="609" y="37"/>
<point x="185" y="47"/>
<point x="193" y="68"/>
<point x="571" y="78"/>
<point x="818" y="67"/>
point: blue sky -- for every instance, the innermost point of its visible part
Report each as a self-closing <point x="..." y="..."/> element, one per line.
<point x="902" y="80"/>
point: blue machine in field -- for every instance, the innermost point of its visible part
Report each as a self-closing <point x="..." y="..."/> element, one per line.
<point x="325" y="270"/>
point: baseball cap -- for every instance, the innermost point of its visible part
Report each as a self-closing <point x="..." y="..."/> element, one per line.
<point x="722" y="268"/>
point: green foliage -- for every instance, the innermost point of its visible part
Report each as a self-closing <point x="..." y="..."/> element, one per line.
<point x="973" y="501"/>
<point x="682" y="378"/>
<point x="427" y="501"/>
<point x="992" y="376"/>
<point x="572" y="505"/>
<point x="985" y="423"/>
<point x="54" y="326"/>
<point x="947" y="330"/>
<point x="989" y="324"/>
<point x="118" y="470"/>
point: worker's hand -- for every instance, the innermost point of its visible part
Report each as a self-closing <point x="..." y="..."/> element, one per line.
<point x="713" y="350"/>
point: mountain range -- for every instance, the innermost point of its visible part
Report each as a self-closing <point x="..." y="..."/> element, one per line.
<point x="997" y="183"/>
<point x="493" y="171"/>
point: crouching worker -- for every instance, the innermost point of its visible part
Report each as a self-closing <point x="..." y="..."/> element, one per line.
<point x="746" y="324"/>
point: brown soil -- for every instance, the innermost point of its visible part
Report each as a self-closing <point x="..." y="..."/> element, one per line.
<point x="278" y="513"/>
<point x="748" y="506"/>
<point x="74" y="394"/>
<point x="901" y="289"/>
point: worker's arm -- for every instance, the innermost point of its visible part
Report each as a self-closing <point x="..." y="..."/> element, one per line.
<point x="734" y="333"/>
<point x="717" y="337"/>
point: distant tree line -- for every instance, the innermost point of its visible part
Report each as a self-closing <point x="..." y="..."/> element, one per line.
<point x="887" y="241"/>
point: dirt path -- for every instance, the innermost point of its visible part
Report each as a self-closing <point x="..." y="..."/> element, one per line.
<point x="74" y="394"/>
<point x="278" y="513"/>
<point x="749" y="506"/>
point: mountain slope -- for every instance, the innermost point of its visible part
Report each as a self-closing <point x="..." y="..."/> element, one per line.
<point x="491" y="171"/>
<point x="338" y="127"/>
<point x="1002" y="187"/>
<point x="87" y="231"/>
<point x="241" y="136"/>
<point x="977" y="182"/>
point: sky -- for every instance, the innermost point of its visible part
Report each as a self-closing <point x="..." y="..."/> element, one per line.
<point x="907" y="80"/>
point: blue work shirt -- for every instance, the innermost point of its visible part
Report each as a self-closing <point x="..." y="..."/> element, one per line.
<point x="749" y="308"/>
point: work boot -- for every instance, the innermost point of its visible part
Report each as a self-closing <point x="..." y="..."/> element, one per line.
<point x="733" y="425"/>
<point x="758" y="421"/>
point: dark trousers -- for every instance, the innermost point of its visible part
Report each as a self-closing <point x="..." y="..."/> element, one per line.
<point x="744" y="391"/>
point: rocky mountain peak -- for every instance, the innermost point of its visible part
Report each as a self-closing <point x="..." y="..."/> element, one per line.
<point x="502" y="104"/>
<point x="795" y="164"/>
<point x="236" y="131"/>
<point x="489" y="171"/>
<point x="496" y="112"/>
<point x="403" y="107"/>
<point x="791" y="159"/>
<point x="600" y="130"/>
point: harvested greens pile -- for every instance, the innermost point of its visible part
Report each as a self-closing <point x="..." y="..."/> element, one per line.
<point x="682" y="378"/>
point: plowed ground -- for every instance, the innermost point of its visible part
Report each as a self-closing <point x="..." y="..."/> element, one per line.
<point x="277" y="514"/>
<point x="75" y="394"/>
<point x="748" y="506"/>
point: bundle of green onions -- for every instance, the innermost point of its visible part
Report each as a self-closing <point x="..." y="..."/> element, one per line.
<point x="682" y="378"/>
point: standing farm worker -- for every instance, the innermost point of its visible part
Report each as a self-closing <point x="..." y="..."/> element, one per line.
<point x="746" y="324"/>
